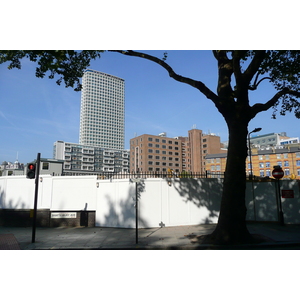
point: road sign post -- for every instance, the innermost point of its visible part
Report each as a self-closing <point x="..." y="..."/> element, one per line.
<point x="37" y="173"/>
<point x="278" y="173"/>
<point x="137" y="181"/>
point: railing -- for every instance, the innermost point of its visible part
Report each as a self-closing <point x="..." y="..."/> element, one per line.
<point x="207" y="174"/>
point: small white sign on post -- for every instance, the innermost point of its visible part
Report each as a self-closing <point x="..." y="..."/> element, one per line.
<point x="138" y="180"/>
<point x="65" y="215"/>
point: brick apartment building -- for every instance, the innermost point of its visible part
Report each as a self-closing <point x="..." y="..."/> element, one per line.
<point x="159" y="153"/>
<point x="263" y="161"/>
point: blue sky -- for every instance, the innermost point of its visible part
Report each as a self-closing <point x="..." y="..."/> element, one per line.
<point x="34" y="112"/>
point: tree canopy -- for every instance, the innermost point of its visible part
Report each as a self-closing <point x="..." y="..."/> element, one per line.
<point x="69" y="65"/>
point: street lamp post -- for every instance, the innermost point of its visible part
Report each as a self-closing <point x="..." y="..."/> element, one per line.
<point x="251" y="175"/>
<point x="250" y="154"/>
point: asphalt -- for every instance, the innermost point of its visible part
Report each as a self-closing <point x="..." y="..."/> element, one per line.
<point x="274" y="236"/>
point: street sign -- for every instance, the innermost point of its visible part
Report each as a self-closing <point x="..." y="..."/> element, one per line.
<point x="138" y="180"/>
<point x="287" y="193"/>
<point x="277" y="173"/>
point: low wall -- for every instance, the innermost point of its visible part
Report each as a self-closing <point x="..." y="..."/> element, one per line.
<point x="162" y="202"/>
<point x="46" y="218"/>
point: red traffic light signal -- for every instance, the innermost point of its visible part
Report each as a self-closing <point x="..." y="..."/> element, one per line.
<point x="30" y="171"/>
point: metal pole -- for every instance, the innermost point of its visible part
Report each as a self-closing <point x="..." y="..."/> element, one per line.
<point x="251" y="177"/>
<point x="136" y="212"/>
<point x="281" y="219"/>
<point x="37" y="174"/>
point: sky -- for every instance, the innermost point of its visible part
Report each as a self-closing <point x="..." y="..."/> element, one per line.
<point x="35" y="112"/>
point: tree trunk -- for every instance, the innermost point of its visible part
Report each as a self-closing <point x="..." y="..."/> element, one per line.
<point x="231" y="228"/>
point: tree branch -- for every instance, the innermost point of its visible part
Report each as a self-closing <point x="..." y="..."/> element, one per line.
<point x="254" y="86"/>
<point x="236" y="59"/>
<point x="254" y="66"/>
<point x="259" y="107"/>
<point x="225" y="71"/>
<point x="194" y="83"/>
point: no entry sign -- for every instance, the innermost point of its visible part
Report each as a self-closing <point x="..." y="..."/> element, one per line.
<point x="277" y="173"/>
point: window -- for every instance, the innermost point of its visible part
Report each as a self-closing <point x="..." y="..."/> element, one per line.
<point x="286" y="163"/>
<point x="163" y="141"/>
<point x="157" y="145"/>
<point x="261" y="165"/>
<point x="170" y="147"/>
<point x="268" y="164"/>
<point x="157" y="163"/>
<point x="279" y="163"/>
<point x="260" y="157"/>
<point x="150" y="162"/>
<point x="286" y="172"/>
<point x="45" y="166"/>
<point x="170" y="142"/>
<point x="278" y="156"/>
<point x="157" y="140"/>
<point x="297" y="162"/>
<point x="268" y="173"/>
<point x="261" y="173"/>
<point x="150" y="150"/>
<point x="150" y="156"/>
<point x="156" y="157"/>
<point x="150" y="145"/>
<point x="149" y="139"/>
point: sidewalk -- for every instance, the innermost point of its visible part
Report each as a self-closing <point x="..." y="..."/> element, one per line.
<point x="177" y="237"/>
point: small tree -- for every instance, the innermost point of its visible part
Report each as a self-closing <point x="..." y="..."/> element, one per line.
<point x="238" y="73"/>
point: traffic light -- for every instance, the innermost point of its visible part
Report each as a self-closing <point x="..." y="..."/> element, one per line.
<point x="30" y="171"/>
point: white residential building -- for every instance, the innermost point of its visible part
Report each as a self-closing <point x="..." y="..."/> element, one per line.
<point x="102" y="113"/>
<point x="82" y="159"/>
<point x="269" y="140"/>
